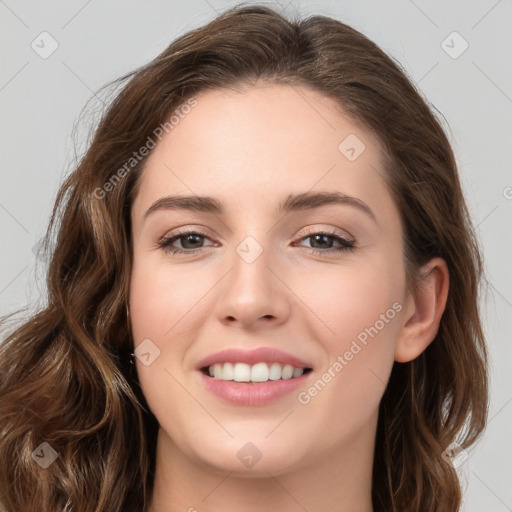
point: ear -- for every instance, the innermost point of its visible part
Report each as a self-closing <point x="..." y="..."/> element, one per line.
<point x="424" y="308"/>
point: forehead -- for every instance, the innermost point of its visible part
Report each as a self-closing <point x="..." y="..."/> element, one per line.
<point x="245" y="147"/>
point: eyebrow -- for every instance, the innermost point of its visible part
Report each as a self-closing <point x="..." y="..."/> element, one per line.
<point x="295" y="202"/>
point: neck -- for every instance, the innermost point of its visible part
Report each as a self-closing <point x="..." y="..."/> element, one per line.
<point x="336" y="481"/>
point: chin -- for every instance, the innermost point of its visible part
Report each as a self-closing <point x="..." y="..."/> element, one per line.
<point x="251" y="459"/>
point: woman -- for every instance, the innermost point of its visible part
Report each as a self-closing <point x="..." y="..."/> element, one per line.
<point x="260" y="369"/>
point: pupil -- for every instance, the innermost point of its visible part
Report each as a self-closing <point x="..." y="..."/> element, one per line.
<point x="188" y="237"/>
<point x="318" y="238"/>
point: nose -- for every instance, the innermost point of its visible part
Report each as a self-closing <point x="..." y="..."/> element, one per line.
<point x="254" y="293"/>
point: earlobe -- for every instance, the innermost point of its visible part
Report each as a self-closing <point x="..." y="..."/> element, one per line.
<point x="424" y="309"/>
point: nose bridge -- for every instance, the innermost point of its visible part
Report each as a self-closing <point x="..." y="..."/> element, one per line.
<point x="251" y="278"/>
<point x="251" y="290"/>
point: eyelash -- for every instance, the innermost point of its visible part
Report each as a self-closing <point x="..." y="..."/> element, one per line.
<point x="347" y="245"/>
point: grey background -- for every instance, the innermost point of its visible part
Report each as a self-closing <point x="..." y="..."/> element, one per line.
<point x="41" y="99"/>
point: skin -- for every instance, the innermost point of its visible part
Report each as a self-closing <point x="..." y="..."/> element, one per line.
<point x="250" y="149"/>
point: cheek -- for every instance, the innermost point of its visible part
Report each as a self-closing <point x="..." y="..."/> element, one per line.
<point x="160" y="304"/>
<point x="359" y="309"/>
<point x="161" y="300"/>
<point x="347" y="301"/>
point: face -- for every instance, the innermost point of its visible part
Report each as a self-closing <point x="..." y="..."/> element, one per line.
<point x="317" y="285"/>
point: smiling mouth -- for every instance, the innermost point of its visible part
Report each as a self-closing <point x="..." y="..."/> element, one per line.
<point x="253" y="374"/>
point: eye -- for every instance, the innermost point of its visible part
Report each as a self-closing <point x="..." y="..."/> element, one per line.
<point x="190" y="241"/>
<point x="325" y="240"/>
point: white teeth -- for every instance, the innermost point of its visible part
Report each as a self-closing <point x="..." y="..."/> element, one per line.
<point x="275" y="371"/>
<point x="287" y="372"/>
<point x="241" y="373"/>
<point x="228" y="372"/>
<point x="260" y="372"/>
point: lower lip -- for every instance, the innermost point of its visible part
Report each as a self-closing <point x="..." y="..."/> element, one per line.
<point x="247" y="393"/>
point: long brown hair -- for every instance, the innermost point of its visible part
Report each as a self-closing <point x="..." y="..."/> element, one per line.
<point x="65" y="378"/>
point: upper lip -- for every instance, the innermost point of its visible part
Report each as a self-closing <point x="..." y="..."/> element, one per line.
<point x="258" y="355"/>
